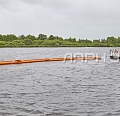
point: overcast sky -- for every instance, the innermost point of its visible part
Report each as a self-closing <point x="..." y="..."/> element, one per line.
<point x="92" y="19"/>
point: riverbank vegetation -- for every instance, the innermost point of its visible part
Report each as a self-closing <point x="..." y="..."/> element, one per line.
<point x="43" y="40"/>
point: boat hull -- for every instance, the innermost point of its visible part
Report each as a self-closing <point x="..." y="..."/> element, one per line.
<point x="114" y="57"/>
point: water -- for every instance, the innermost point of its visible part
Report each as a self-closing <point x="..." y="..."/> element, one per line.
<point x="57" y="88"/>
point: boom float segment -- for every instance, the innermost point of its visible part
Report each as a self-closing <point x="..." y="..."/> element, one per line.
<point x="46" y="60"/>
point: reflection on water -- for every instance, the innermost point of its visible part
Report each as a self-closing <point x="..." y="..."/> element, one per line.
<point x="57" y="88"/>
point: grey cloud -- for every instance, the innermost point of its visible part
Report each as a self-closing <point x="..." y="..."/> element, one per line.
<point x="50" y="4"/>
<point x="4" y="3"/>
<point x="76" y="18"/>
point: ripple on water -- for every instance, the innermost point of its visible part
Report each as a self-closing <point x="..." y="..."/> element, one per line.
<point x="59" y="89"/>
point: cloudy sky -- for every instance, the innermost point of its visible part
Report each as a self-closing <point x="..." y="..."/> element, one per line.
<point x="92" y="19"/>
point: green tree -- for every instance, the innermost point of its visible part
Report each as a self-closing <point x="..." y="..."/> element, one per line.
<point x="9" y="37"/>
<point x="51" y="37"/>
<point x="28" y="42"/>
<point x="30" y="37"/>
<point x="1" y="37"/>
<point x="59" y="38"/>
<point x="2" y="43"/>
<point x="42" y="36"/>
<point x="96" y="41"/>
<point x="18" y="43"/>
<point x="111" y="40"/>
<point x="103" y="41"/>
<point x="72" y="39"/>
<point x="21" y="37"/>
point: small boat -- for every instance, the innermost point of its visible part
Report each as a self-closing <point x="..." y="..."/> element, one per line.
<point x="115" y="53"/>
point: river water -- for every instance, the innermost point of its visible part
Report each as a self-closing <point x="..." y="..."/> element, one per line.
<point x="59" y="89"/>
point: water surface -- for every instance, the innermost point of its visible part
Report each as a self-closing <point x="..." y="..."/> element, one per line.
<point x="57" y="88"/>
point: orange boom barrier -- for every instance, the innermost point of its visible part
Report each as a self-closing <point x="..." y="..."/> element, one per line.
<point x="46" y="60"/>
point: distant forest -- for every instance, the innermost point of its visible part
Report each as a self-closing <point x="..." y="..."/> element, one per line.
<point x="43" y="40"/>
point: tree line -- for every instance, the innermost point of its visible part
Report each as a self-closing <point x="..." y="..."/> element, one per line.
<point x="43" y="40"/>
